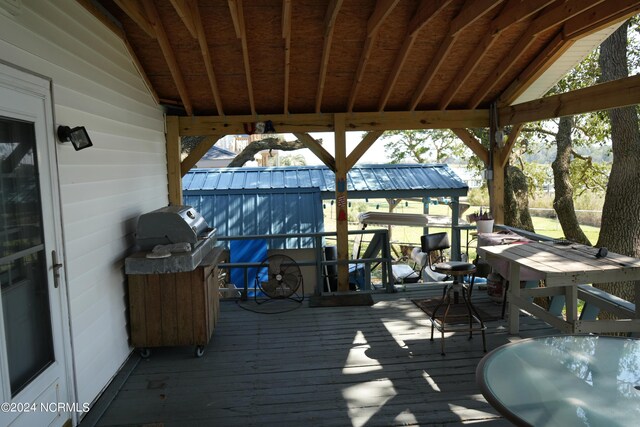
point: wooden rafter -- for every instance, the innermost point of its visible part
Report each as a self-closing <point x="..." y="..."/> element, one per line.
<point x="547" y="20"/>
<point x="196" y="154"/>
<point x="323" y="122"/>
<point x="511" y="13"/>
<point x="329" y="25"/>
<point x="237" y="15"/>
<point x="382" y="10"/>
<point x="425" y="13"/>
<point x="470" y="13"/>
<point x="556" y="48"/>
<point x="317" y="149"/>
<point x="206" y="54"/>
<point x="574" y="28"/>
<point x="600" y="16"/>
<point x="511" y="141"/>
<point x="470" y="141"/>
<point x="286" y="35"/>
<point x="184" y="8"/>
<point x="516" y="11"/>
<point x="169" y="56"/>
<point x="467" y="16"/>
<point x="617" y="93"/>
<point x="133" y="9"/>
<point x="364" y="145"/>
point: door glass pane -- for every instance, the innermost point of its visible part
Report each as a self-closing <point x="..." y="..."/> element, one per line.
<point x="23" y="269"/>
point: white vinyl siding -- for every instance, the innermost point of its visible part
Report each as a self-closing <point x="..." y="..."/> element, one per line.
<point x="103" y="188"/>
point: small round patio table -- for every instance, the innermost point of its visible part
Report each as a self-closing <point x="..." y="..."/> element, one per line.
<point x="565" y="380"/>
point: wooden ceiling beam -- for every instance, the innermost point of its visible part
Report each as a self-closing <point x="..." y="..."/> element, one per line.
<point x="169" y="56"/>
<point x="470" y="141"/>
<point x="554" y="50"/>
<point x="317" y="149"/>
<point x="184" y="8"/>
<point x="323" y="122"/>
<point x="599" y="17"/>
<point x="511" y="13"/>
<point x="206" y="54"/>
<point x="547" y="20"/>
<point x="198" y="152"/>
<point x="516" y="11"/>
<point x="329" y="25"/>
<point x="466" y="17"/>
<point x="470" y="13"/>
<point x="561" y="13"/>
<point x="617" y="93"/>
<point x="382" y="10"/>
<point x="594" y="19"/>
<point x="237" y="15"/>
<point x="286" y="35"/>
<point x="362" y="147"/>
<point x="134" y="11"/>
<point x="425" y="13"/>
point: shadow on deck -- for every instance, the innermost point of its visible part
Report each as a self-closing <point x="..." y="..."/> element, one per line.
<point x="339" y="366"/>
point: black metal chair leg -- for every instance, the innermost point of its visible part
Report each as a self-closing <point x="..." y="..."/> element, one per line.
<point x="437" y="307"/>
<point x="504" y="298"/>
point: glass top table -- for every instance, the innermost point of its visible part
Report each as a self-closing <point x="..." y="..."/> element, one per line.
<point x="566" y="380"/>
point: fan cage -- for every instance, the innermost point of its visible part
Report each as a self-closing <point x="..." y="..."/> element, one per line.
<point x="279" y="277"/>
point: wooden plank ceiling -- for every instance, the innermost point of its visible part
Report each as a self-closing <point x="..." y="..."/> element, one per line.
<point x="235" y="57"/>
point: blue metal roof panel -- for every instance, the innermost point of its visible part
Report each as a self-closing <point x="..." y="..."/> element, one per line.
<point x="252" y="179"/>
<point x="264" y="179"/>
<point x="238" y="180"/>
<point x="385" y="179"/>
<point x="356" y="180"/>
<point x="211" y="180"/>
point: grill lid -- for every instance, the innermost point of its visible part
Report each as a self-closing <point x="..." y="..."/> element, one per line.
<point x="171" y="224"/>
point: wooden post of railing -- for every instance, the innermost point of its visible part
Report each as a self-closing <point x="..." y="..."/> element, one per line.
<point x="342" y="225"/>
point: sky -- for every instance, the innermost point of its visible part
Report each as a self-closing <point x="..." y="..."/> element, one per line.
<point x="375" y="154"/>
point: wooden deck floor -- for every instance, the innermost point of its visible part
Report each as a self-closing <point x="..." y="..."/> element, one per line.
<point x="343" y="366"/>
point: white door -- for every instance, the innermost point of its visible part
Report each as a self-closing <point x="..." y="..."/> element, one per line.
<point x="32" y="342"/>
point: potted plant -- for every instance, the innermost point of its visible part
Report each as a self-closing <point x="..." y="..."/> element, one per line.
<point x="484" y="220"/>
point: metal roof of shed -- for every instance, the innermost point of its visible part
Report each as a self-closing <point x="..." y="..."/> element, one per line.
<point x="363" y="181"/>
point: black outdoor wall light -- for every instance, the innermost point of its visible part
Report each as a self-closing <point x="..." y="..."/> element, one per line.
<point x="78" y="136"/>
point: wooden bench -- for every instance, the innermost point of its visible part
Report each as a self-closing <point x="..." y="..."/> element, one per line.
<point x="596" y="300"/>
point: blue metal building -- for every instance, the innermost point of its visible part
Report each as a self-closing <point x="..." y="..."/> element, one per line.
<point x="244" y="201"/>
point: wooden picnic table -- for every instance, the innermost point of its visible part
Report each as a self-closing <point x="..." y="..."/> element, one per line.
<point x="565" y="267"/>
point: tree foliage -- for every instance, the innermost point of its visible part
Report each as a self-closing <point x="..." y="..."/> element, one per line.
<point x="423" y="146"/>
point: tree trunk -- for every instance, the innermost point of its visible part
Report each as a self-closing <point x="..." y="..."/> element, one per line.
<point x="516" y="199"/>
<point x="264" y="144"/>
<point x="620" y="230"/>
<point x="563" y="199"/>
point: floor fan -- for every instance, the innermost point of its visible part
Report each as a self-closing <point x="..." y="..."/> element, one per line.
<point x="283" y="280"/>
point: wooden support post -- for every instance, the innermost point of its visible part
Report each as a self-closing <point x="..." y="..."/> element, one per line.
<point x="174" y="176"/>
<point x="342" y="225"/>
<point x="497" y="189"/>
<point x="496" y="183"/>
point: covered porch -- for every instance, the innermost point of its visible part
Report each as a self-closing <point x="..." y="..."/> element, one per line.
<point x="333" y="366"/>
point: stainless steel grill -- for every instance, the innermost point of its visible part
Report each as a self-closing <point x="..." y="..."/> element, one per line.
<point x="171" y="239"/>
